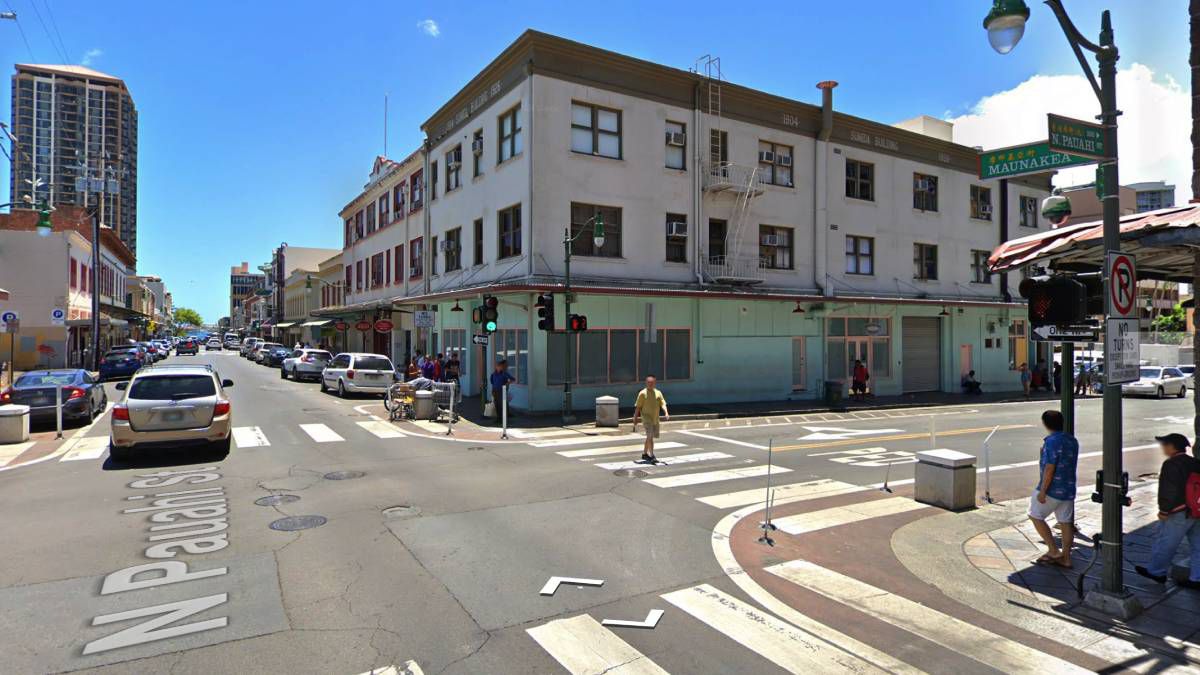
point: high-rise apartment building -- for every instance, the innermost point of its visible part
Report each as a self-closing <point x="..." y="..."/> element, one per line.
<point x="242" y="284"/>
<point x="74" y="123"/>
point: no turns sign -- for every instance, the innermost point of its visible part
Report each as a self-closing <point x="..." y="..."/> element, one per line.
<point x="1122" y="285"/>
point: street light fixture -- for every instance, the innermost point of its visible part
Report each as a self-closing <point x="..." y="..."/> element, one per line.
<point x="1005" y="24"/>
<point x="597" y="222"/>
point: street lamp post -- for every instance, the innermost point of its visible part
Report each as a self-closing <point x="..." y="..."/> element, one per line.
<point x="597" y="222"/>
<point x="1005" y="25"/>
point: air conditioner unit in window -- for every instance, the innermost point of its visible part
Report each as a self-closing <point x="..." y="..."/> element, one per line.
<point x="771" y="240"/>
<point x="922" y="185"/>
<point x="783" y="160"/>
<point x="453" y="165"/>
<point x="448" y="245"/>
<point x="677" y="228"/>
<point x="477" y="146"/>
<point x="985" y="210"/>
<point x="766" y="157"/>
<point x="676" y="138"/>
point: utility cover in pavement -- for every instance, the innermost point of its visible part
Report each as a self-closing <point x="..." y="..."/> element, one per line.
<point x="293" y="523"/>
<point x="630" y="473"/>
<point x="276" y="500"/>
<point x="344" y="475"/>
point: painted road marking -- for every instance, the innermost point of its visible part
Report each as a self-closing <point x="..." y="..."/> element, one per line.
<point x="584" y="647"/>
<point x="981" y="645"/>
<point x="711" y="437"/>
<point x="840" y="434"/>
<point x="670" y="461"/>
<point x="558" y="442"/>
<point x="650" y="621"/>
<point x="786" y="646"/>
<point x="618" y="449"/>
<point x="844" y="515"/>
<point x="321" y="433"/>
<point x="89" y="447"/>
<point x="714" y="476"/>
<point x="874" y="457"/>
<point x="553" y="583"/>
<point x="898" y="437"/>
<point x="409" y="668"/>
<point x="784" y="494"/>
<point x="10" y="452"/>
<point x="249" y="437"/>
<point x="381" y="429"/>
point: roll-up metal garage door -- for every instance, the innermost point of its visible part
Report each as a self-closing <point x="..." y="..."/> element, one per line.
<point x="922" y="349"/>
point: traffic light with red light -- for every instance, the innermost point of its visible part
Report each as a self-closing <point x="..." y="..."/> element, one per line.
<point x="491" y="313"/>
<point x="577" y="323"/>
<point x="1056" y="301"/>
<point x="545" y="311"/>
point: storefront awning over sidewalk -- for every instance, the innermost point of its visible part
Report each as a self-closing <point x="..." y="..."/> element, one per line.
<point x="286" y="324"/>
<point x="318" y="322"/>
<point x="1164" y="243"/>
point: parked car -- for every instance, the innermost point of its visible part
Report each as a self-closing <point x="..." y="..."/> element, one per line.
<point x="305" y="363"/>
<point x="1157" y="381"/>
<point x="248" y="345"/>
<point x="187" y="346"/>
<point x="1188" y="371"/>
<point x="152" y="353"/>
<point x="138" y="350"/>
<point x="261" y="349"/>
<point x="119" y="364"/>
<point x="358" y="373"/>
<point x="274" y="356"/>
<point x="233" y="343"/>
<point x="171" y="406"/>
<point x="213" y="345"/>
<point x="83" y="397"/>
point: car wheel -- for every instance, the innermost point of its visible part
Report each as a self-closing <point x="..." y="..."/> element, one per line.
<point x="341" y="389"/>
<point x="1160" y="393"/>
<point x="1182" y="390"/>
<point x="321" y="384"/>
<point x="222" y="447"/>
<point x="283" y="373"/>
<point x="295" y="375"/>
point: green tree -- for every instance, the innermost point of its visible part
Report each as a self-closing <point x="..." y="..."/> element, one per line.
<point x="1173" y="321"/>
<point x="186" y="315"/>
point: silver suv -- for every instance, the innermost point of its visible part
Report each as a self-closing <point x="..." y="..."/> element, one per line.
<point x="358" y="373"/>
<point x="171" y="406"/>
<point x="305" y="362"/>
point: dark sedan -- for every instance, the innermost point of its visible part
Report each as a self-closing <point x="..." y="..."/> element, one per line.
<point x="275" y="356"/>
<point x="119" y="364"/>
<point x="187" y="346"/>
<point x="82" y="396"/>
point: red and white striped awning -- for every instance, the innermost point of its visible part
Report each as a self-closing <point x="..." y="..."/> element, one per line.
<point x="1163" y="242"/>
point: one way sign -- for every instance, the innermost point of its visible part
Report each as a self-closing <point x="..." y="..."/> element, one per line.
<point x="1066" y="334"/>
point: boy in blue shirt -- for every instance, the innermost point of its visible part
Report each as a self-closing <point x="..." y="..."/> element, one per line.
<point x="1055" y="491"/>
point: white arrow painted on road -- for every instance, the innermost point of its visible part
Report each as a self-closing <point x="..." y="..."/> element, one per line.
<point x="650" y="622"/>
<point x="838" y="433"/>
<point x="552" y="585"/>
<point x="1173" y="419"/>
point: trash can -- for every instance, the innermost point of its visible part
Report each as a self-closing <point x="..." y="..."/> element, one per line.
<point x="945" y="478"/>
<point x="14" y="423"/>
<point x="606" y="411"/>
<point x="423" y="407"/>
<point x="833" y="394"/>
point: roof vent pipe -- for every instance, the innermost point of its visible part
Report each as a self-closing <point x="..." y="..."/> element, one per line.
<point x="821" y="188"/>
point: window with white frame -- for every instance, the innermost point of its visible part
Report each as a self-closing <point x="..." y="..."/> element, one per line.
<point x="1029" y="211"/>
<point x="860" y="254"/>
<point x="385" y="211"/>
<point x="925" y="192"/>
<point x="979" y="268"/>
<point x="866" y="339"/>
<point x="454" y="343"/>
<point x="1018" y="344"/>
<point x="775" y="247"/>
<point x="925" y="262"/>
<point x="508" y="228"/>
<point x="676" y="145"/>
<point x="477" y="153"/>
<point x="583" y="217"/>
<point x="775" y="163"/>
<point x="677" y="237"/>
<point x="981" y="202"/>
<point x="595" y="130"/>
<point x="509" y="138"/>
<point x="454" y="168"/>
<point x="453" y="249"/>
<point x="512" y="345"/>
<point x="860" y="180"/>
<point x="620" y="355"/>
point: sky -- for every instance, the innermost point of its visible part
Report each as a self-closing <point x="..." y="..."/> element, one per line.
<point x="260" y="120"/>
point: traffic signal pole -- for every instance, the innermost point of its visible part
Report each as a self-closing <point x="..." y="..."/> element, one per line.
<point x="1066" y="399"/>
<point x="568" y="415"/>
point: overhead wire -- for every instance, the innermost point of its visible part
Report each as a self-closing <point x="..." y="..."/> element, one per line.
<point x="54" y="25"/>
<point x="21" y="31"/>
<point x="46" y="30"/>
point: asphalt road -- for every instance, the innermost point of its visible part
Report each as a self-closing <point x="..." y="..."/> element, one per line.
<point x="432" y="550"/>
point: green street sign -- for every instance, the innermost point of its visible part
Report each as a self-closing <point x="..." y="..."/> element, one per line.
<point x="1074" y="137"/>
<point x="1020" y="160"/>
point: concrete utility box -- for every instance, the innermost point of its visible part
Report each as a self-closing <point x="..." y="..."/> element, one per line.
<point x="945" y="478"/>
<point x="423" y="406"/>
<point x="606" y="411"/>
<point x="14" y="424"/>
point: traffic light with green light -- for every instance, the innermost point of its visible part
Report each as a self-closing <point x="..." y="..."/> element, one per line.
<point x="491" y="314"/>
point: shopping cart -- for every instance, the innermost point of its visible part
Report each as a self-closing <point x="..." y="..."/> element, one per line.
<point x="447" y="396"/>
<point x="399" y="401"/>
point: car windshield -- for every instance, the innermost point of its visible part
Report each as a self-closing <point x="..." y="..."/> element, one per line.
<point x="46" y="379"/>
<point x="173" y="387"/>
<point x="372" y="363"/>
<point x="1150" y="373"/>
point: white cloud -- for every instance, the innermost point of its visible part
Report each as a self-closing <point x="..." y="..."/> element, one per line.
<point x="1154" y="133"/>
<point x="91" y="55"/>
<point x="430" y="27"/>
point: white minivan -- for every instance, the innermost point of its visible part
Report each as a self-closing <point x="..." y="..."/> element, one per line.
<point x="358" y="373"/>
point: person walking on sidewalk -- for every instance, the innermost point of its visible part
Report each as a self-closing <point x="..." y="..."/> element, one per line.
<point x="858" y="380"/>
<point x="1175" y="522"/>
<point x="1055" y="491"/>
<point x="649" y="402"/>
<point x="1025" y="378"/>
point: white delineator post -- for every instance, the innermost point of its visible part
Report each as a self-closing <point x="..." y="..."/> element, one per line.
<point x="450" y="422"/>
<point x="987" y="467"/>
<point x="504" y="413"/>
<point x="58" y="410"/>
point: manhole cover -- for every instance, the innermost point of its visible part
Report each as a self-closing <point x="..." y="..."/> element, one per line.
<point x="343" y="475"/>
<point x="630" y="473"/>
<point x="276" y="500"/>
<point x="293" y="523"/>
<point x="401" y="511"/>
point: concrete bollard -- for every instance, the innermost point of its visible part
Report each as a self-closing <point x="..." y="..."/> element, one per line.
<point x="14" y="423"/>
<point x="607" y="412"/>
<point x="945" y="478"/>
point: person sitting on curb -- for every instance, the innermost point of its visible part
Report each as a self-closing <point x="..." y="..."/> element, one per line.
<point x="1175" y="522"/>
<point x="1055" y="490"/>
<point x="971" y="385"/>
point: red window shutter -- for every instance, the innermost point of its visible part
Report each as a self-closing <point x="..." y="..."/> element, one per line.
<point x="74" y="278"/>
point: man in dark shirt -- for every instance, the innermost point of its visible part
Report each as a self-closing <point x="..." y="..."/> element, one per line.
<point x="1174" y="523"/>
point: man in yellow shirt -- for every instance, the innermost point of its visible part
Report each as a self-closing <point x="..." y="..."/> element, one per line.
<point x="649" y="402"/>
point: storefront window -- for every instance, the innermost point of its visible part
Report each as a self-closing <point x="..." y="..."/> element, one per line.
<point x="866" y="339"/>
<point x="1018" y="344"/>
